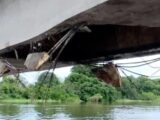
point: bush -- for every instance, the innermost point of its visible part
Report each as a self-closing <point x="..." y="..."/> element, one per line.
<point x="148" y="96"/>
<point x="97" y="98"/>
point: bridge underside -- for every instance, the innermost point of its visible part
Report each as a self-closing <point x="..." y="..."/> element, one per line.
<point x="119" y="29"/>
<point x="105" y="42"/>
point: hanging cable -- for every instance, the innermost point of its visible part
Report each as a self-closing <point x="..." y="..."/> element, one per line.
<point x="143" y="61"/>
<point x="131" y="66"/>
<point x="152" y="66"/>
<point x="59" y="43"/>
<point x="54" y="63"/>
<point x="152" y="75"/>
<point x="133" y="72"/>
<point x="66" y="38"/>
<point x="136" y="72"/>
<point x="130" y="79"/>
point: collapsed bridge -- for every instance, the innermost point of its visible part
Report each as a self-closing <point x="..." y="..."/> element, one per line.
<point x="101" y="31"/>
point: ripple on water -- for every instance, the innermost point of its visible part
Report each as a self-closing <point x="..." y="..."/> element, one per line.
<point x="79" y="112"/>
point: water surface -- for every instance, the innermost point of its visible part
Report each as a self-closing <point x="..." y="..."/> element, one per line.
<point x="79" y="112"/>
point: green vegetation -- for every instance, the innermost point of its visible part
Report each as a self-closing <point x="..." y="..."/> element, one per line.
<point x="80" y="86"/>
<point x="83" y="83"/>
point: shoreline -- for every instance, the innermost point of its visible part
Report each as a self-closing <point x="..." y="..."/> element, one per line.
<point x="117" y="102"/>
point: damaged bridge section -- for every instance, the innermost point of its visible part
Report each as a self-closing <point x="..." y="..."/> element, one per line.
<point x="112" y="30"/>
<point x="105" y="42"/>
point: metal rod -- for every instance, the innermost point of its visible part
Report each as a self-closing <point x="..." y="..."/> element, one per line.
<point x="16" y="54"/>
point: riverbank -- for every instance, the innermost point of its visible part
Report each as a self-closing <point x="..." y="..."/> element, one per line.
<point x="117" y="102"/>
<point x="130" y="102"/>
<point x="29" y="101"/>
<point x="26" y="101"/>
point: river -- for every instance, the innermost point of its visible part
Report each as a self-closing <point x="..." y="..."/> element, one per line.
<point x="79" y="112"/>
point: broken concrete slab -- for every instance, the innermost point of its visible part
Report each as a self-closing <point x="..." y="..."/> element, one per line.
<point x="35" y="60"/>
<point x="3" y="67"/>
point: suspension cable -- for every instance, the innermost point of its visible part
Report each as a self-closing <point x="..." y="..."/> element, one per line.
<point x="66" y="38"/>
<point x="143" y="61"/>
<point x="130" y="80"/>
<point x="131" y="66"/>
<point x="133" y="72"/>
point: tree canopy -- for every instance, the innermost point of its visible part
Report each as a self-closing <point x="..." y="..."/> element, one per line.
<point x="80" y="85"/>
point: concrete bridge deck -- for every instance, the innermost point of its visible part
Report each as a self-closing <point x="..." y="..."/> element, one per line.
<point x="119" y="29"/>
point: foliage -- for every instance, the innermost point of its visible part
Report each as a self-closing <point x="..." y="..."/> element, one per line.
<point x="47" y="78"/>
<point x="11" y="88"/>
<point x="140" y="88"/>
<point x="96" y="98"/>
<point x="80" y="85"/>
<point x="83" y="83"/>
<point x="83" y="70"/>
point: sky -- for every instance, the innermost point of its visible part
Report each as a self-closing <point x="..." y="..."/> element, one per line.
<point x="61" y="73"/>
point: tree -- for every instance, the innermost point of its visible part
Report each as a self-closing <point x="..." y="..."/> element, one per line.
<point x="83" y="70"/>
<point x="129" y="89"/>
<point x="47" y="78"/>
<point x="11" y="88"/>
<point x="44" y="85"/>
<point x="83" y="83"/>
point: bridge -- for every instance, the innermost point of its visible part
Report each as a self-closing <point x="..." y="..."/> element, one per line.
<point x="102" y="30"/>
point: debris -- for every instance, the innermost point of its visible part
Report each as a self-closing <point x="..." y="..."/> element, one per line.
<point x="6" y="67"/>
<point x="35" y="60"/>
<point x="85" y="29"/>
<point x="3" y="67"/>
<point x="109" y="74"/>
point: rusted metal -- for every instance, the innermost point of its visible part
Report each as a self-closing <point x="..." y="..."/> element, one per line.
<point x="109" y="74"/>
